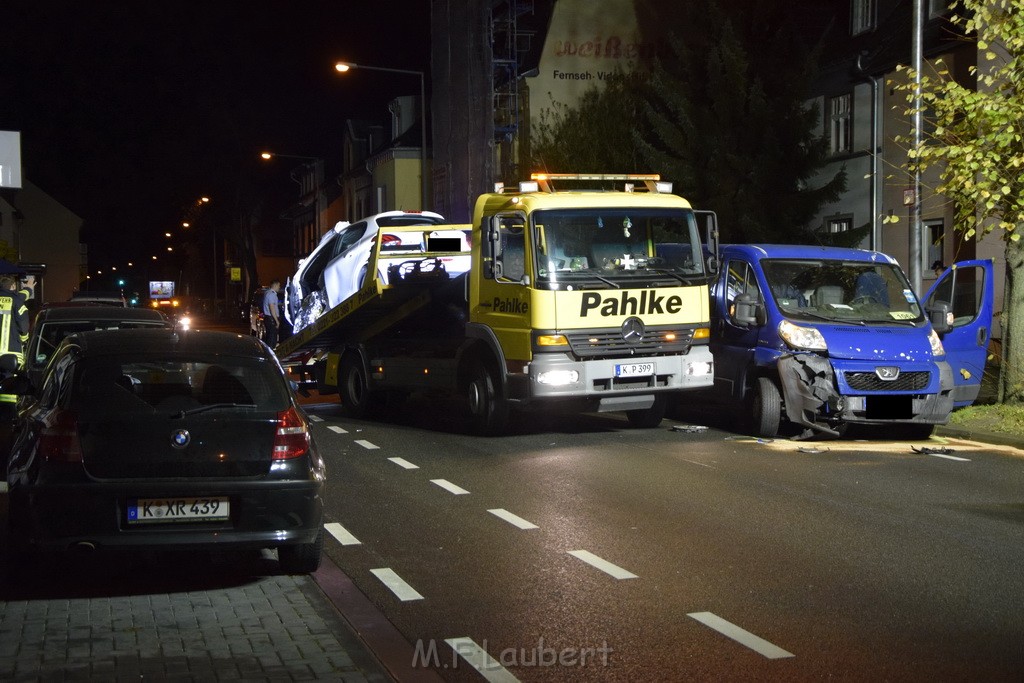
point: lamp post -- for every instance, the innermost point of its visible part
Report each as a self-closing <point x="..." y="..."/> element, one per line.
<point x="342" y="67"/>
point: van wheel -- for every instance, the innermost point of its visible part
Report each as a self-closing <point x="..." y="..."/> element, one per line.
<point x="766" y="408"/>
<point x="302" y="558"/>
<point x="353" y="387"/>
<point x="647" y="418"/>
<point x="488" y="410"/>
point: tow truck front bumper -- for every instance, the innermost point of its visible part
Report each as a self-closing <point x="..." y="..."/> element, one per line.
<point x="608" y="384"/>
<point x="813" y="399"/>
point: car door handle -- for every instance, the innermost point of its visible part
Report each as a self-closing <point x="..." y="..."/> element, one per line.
<point x="982" y="335"/>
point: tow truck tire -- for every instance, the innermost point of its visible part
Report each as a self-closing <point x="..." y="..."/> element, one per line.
<point x="647" y="418"/>
<point x="765" y="408"/>
<point x="353" y="386"/>
<point x="488" y="410"/>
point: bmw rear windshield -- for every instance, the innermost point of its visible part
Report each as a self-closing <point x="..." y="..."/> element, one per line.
<point x="144" y="384"/>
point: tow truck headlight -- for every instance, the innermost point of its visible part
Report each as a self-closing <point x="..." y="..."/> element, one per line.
<point x="558" y="378"/>
<point x="937" y="349"/>
<point x="800" y="337"/>
<point x="700" y="369"/>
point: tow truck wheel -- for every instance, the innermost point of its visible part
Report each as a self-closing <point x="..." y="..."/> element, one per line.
<point x="766" y="408"/>
<point x="647" y="418"/>
<point x="488" y="410"/>
<point x="354" y="389"/>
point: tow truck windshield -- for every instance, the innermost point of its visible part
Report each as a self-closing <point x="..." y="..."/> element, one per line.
<point x="616" y="247"/>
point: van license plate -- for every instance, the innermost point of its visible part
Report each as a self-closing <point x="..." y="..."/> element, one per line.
<point x="634" y="370"/>
<point x="184" y="509"/>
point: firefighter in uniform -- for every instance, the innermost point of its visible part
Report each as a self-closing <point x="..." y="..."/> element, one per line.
<point x="13" y="335"/>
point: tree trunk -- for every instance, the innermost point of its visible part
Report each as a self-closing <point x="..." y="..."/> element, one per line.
<point x="1013" y="324"/>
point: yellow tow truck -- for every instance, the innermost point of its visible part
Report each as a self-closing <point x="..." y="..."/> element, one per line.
<point x="585" y="300"/>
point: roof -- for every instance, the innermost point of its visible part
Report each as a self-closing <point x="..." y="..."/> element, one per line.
<point x="169" y="343"/>
<point x="82" y="312"/>
<point x="804" y="251"/>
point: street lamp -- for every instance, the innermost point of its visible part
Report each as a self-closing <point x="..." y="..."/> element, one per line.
<point x="343" y="67"/>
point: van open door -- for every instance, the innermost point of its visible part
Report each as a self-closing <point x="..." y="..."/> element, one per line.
<point x="966" y="291"/>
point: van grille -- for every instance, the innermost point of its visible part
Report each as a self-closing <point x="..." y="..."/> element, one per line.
<point x="869" y="381"/>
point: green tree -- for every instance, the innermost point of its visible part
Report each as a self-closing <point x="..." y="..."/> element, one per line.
<point x="594" y="136"/>
<point x="974" y="142"/>
<point x="730" y="119"/>
<point x="721" y="112"/>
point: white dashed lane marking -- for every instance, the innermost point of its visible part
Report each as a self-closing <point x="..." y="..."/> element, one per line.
<point x="337" y="430"/>
<point x="741" y="636"/>
<point x="367" y="445"/>
<point x="604" y="565"/>
<point x="396" y="584"/>
<point x="478" y="658"/>
<point x="948" y="457"/>
<point x="316" y="418"/>
<point x="514" y="520"/>
<point x="342" y="534"/>
<point x="449" y="487"/>
<point x="404" y="464"/>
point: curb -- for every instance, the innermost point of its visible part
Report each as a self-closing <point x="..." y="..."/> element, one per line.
<point x="984" y="437"/>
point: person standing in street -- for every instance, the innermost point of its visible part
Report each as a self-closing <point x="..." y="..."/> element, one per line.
<point x="13" y="336"/>
<point x="271" y="314"/>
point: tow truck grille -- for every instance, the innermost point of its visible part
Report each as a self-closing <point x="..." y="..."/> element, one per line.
<point x="610" y="344"/>
<point x="869" y="381"/>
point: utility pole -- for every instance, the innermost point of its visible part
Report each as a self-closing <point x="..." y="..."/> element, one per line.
<point x="915" y="223"/>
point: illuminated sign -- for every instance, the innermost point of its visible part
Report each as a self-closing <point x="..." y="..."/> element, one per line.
<point x="161" y="289"/>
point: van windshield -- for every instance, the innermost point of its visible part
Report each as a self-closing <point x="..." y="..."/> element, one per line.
<point x="854" y="291"/>
<point x="616" y="247"/>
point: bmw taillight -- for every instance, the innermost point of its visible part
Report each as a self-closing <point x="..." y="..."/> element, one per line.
<point x="292" y="437"/>
<point x="388" y="241"/>
<point x="58" y="440"/>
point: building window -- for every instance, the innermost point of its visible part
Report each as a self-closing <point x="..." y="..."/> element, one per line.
<point x="837" y="225"/>
<point x="840" y="124"/>
<point x="862" y="16"/>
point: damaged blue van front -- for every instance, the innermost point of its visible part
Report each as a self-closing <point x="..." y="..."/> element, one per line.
<point x="826" y="337"/>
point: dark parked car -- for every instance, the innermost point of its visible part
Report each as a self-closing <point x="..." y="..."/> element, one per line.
<point x="51" y="325"/>
<point x="166" y="439"/>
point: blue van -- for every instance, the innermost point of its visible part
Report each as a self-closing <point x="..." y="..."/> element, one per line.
<point x="826" y="337"/>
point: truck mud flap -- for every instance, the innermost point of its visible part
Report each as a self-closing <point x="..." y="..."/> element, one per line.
<point x="808" y="385"/>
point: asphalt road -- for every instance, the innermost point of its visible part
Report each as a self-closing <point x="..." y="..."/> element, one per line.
<point x="580" y="549"/>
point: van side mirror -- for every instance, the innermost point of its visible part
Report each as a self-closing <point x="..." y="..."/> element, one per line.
<point x="940" y="316"/>
<point x="748" y="310"/>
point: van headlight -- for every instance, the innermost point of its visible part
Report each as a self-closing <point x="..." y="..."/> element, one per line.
<point x="800" y="337"/>
<point x="938" y="350"/>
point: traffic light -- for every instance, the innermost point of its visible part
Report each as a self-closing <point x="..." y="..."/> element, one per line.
<point x="120" y="282"/>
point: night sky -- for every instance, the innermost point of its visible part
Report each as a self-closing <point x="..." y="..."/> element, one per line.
<point x="131" y="110"/>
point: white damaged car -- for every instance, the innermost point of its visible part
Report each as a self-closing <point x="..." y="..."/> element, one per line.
<point x="337" y="268"/>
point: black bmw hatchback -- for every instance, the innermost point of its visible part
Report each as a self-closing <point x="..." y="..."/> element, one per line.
<point x="168" y="440"/>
